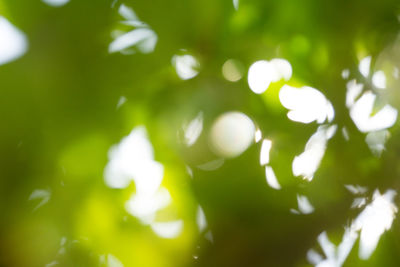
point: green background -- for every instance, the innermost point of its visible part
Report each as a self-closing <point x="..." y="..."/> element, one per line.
<point x="59" y="119"/>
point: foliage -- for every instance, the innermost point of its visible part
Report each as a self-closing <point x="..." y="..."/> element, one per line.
<point x="68" y="100"/>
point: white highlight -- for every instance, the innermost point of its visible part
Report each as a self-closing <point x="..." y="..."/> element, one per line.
<point x="259" y="76"/>
<point x="345" y="134"/>
<point x="201" y="219"/>
<point x="145" y="207"/>
<point x="335" y="256"/>
<point x="356" y="189"/>
<point x="304" y="205"/>
<point x="361" y="111"/>
<point x="364" y="66"/>
<point x="231" y="134"/>
<point x="379" y="79"/>
<point x="51" y="264"/>
<point x="236" y="4"/>
<point x="133" y="160"/>
<point x="231" y="70"/>
<point x="142" y="38"/>
<point x="313" y="257"/>
<point x="306" y="104"/>
<point x="127" y="13"/>
<point x="262" y="73"/>
<point x="42" y="194"/>
<point x="186" y="66"/>
<point x="193" y="130"/>
<point x="271" y="178"/>
<point x="13" y="42"/>
<point x="127" y="158"/>
<point x="354" y="90"/>
<point x="376" y="141"/>
<point x="358" y="202"/>
<point x="55" y="3"/>
<point x="189" y="171"/>
<point x="148" y="176"/>
<point x="112" y="261"/>
<point x="211" y="165"/>
<point x="374" y="220"/>
<point x="121" y="101"/>
<point x="257" y="135"/>
<point x="345" y="73"/>
<point x="307" y="163"/>
<point x="282" y="69"/>
<point x="265" y="150"/>
<point x="168" y="230"/>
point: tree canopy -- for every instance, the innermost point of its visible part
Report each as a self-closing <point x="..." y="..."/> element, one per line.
<point x="199" y="133"/>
